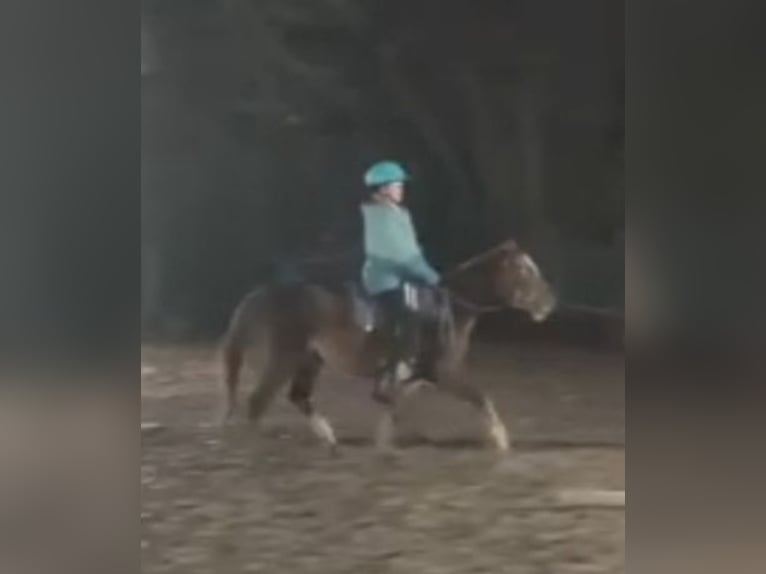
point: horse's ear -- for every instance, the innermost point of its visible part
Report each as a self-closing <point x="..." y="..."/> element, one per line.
<point x="510" y="252"/>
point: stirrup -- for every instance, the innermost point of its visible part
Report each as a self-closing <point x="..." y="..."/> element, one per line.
<point x="404" y="370"/>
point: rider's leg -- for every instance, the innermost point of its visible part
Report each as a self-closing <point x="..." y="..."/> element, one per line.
<point x="431" y="328"/>
<point x="396" y="330"/>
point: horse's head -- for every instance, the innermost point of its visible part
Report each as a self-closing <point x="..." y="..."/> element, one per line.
<point x="505" y="276"/>
<point x="519" y="282"/>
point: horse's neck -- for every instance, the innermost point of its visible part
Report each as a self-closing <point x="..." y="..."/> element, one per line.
<point x="470" y="284"/>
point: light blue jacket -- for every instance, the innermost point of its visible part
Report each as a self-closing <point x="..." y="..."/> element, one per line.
<point x="393" y="253"/>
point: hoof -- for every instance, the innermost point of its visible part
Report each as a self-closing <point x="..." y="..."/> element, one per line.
<point x="335" y="451"/>
<point x="389" y="454"/>
<point x="500" y="440"/>
<point x="502" y="447"/>
<point x="505" y="452"/>
<point x="227" y="420"/>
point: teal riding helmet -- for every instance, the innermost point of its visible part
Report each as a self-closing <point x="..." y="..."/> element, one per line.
<point x="383" y="173"/>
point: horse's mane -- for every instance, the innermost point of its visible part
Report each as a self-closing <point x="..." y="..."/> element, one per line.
<point x="487" y="256"/>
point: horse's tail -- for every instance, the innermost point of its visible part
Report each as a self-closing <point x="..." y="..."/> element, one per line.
<point x="235" y="342"/>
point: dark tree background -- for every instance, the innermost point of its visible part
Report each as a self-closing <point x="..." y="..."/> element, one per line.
<point x="260" y="116"/>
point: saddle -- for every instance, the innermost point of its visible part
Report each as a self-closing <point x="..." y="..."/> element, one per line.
<point x="426" y="304"/>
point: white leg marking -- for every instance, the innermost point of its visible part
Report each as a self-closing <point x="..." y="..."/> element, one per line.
<point x="323" y="429"/>
<point x="496" y="429"/>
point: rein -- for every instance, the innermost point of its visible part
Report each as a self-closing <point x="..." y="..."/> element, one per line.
<point x="474" y="307"/>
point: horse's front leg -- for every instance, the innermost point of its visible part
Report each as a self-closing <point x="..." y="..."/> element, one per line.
<point x="389" y="394"/>
<point x="404" y="390"/>
<point x="493" y="424"/>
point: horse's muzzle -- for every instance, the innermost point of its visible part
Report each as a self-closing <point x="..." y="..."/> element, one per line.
<point x="543" y="312"/>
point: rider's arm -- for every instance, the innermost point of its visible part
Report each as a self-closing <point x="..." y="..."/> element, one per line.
<point x="418" y="270"/>
<point x="391" y="241"/>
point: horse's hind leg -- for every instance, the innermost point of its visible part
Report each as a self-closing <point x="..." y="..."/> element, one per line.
<point x="275" y="375"/>
<point x="494" y="426"/>
<point x="232" y="359"/>
<point x="301" y="390"/>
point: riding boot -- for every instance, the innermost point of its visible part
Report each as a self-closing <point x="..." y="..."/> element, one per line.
<point x="387" y="378"/>
<point x="424" y="362"/>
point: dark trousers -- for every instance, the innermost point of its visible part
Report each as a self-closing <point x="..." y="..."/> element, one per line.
<point x="399" y="330"/>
